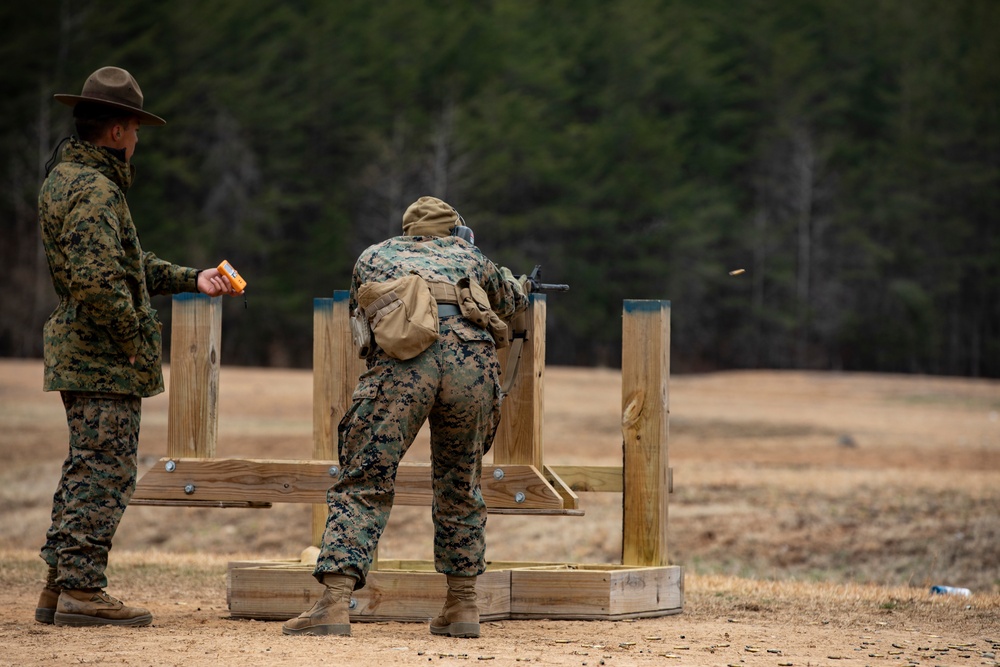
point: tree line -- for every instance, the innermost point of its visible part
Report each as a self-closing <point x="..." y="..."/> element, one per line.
<point x="844" y="153"/>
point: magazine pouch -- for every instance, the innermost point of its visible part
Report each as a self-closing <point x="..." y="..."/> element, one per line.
<point x="475" y="306"/>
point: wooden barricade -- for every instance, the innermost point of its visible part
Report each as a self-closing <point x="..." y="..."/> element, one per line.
<point x="518" y="481"/>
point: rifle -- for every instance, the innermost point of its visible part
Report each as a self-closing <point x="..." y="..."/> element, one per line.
<point x="534" y="279"/>
<point x="519" y="326"/>
<point x="519" y="323"/>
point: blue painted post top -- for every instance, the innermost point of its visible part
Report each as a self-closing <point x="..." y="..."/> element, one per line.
<point x="644" y="305"/>
<point x="194" y="296"/>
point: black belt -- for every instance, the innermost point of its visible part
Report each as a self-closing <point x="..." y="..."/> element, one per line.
<point x="448" y="309"/>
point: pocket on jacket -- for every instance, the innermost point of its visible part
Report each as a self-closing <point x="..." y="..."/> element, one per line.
<point x="150" y="337"/>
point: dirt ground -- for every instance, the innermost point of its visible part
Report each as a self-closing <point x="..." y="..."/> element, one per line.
<point x="811" y="513"/>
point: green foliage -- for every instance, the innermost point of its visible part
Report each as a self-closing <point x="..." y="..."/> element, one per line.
<point x="844" y="153"/>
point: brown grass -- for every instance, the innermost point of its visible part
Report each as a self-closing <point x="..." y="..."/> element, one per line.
<point x="811" y="512"/>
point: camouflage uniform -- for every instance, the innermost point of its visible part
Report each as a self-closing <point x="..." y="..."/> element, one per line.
<point x="454" y="383"/>
<point x="104" y="281"/>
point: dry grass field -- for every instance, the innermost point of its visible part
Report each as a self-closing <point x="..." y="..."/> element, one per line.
<point x="811" y="513"/>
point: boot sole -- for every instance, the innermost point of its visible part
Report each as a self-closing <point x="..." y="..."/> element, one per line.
<point x="319" y="630"/>
<point x="83" y="620"/>
<point x="461" y="630"/>
<point x="45" y="615"/>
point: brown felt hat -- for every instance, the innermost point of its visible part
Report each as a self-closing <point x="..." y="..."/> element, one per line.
<point x="429" y="216"/>
<point x="116" y="88"/>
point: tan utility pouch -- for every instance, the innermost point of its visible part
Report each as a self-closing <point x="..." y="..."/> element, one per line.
<point x="402" y="313"/>
<point x="475" y="306"/>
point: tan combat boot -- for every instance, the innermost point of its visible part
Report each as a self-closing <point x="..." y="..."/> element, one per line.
<point x="92" y="606"/>
<point x="45" y="611"/>
<point x="460" y="616"/>
<point x="330" y="615"/>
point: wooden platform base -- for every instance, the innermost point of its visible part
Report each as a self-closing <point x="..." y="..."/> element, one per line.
<point x="592" y="592"/>
<point x="413" y="591"/>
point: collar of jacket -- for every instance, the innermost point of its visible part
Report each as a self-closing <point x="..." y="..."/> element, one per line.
<point x="108" y="161"/>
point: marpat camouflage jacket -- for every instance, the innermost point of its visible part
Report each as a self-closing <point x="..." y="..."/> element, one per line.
<point x="445" y="259"/>
<point x="103" y="279"/>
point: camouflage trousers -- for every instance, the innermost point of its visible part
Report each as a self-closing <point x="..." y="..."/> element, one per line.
<point x="454" y="384"/>
<point x="98" y="478"/>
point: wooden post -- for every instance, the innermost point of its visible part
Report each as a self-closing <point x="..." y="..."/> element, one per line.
<point x="336" y="368"/>
<point x="195" y="342"/>
<point x="645" y="414"/>
<point x="519" y="435"/>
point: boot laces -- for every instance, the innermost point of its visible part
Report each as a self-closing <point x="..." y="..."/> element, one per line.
<point x="104" y="597"/>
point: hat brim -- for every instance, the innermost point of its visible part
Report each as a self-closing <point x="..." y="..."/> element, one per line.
<point x="145" y="118"/>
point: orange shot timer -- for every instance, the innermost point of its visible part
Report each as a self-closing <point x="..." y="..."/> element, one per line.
<point x="235" y="279"/>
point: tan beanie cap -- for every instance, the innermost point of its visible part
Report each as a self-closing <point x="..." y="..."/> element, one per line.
<point x="429" y="216"/>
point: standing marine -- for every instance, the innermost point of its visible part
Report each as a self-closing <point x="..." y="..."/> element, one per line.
<point x="434" y="306"/>
<point x="102" y="344"/>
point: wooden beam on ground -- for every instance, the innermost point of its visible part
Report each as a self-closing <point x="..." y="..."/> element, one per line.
<point x="195" y="343"/>
<point x="519" y="434"/>
<point x="505" y="487"/>
<point x="610" y="592"/>
<point x="413" y="591"/>
<point x="645" y="411"/>
<point x="278" y="591"/>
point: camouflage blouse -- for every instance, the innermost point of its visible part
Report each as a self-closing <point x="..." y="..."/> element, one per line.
<point x="103" y="279"/>
<point x="445" y="259"/>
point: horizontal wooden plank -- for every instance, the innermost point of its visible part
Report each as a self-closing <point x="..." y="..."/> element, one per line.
<point x="590" y="592"/>
<point x="215" y="504"/>
<point x="285" y="591"/>
<point x="533" y="512"/>
<point x="590" y="478"/>
<point x="510" y="487"/>
<point x="403" y="564"/>
<point x="410" y="590"/>
<point x="598" y="478"/>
